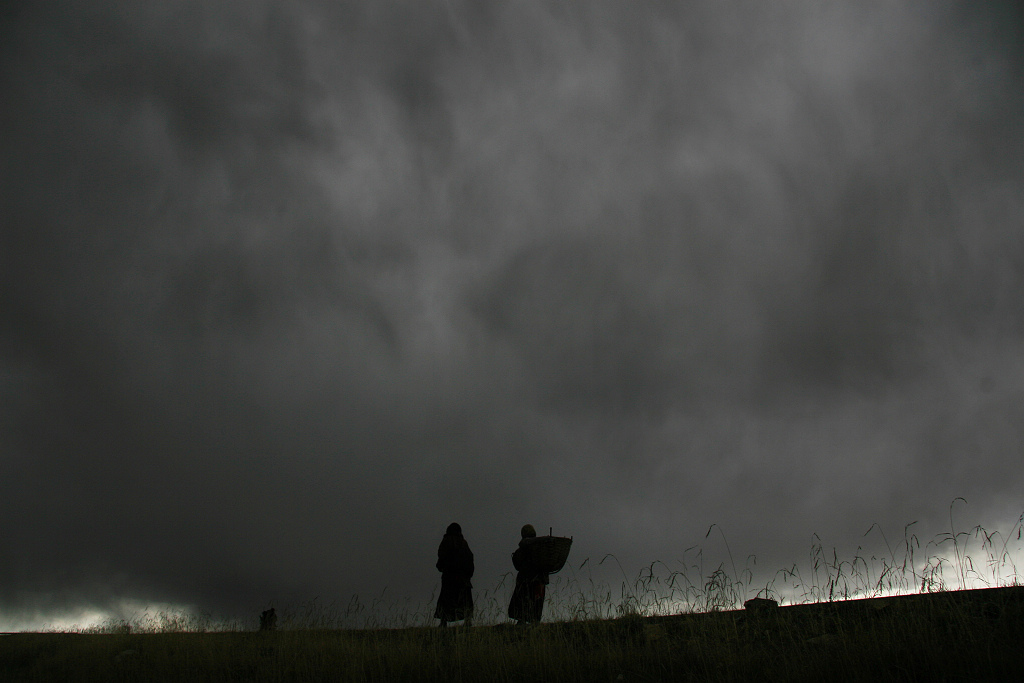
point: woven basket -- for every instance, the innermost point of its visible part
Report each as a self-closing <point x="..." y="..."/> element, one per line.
<point x="549" y="553"/>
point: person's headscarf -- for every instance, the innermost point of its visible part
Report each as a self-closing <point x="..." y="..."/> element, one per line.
<point x="453" y="530"/>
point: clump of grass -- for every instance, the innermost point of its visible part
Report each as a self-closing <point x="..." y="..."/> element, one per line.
<point x="979" y="559"/>
<point x="162" y="621"/>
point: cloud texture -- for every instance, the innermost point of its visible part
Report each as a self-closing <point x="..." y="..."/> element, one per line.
<point x="285" y="288"/>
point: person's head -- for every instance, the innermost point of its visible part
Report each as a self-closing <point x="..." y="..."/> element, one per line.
<point x="453" y="530"/>
<point x="528" y="531"/>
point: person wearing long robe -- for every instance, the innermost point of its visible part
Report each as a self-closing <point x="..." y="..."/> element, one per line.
<point x="527" y="603"/>
<point x="455" y="562"/>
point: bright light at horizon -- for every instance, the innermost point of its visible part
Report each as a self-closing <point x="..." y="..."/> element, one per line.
<point x="140" y="615"/>
<point x="65" y="621"/>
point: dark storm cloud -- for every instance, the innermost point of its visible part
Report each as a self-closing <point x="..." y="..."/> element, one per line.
<point x="286" y="288"/>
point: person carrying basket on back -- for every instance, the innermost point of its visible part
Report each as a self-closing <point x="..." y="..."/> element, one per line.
<point x="527" y="602"/>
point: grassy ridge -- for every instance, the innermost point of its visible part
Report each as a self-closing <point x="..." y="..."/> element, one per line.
<point x="681" y="624"/>
<point x="963" y="635"/>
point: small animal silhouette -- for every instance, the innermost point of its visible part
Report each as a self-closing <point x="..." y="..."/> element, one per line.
<point x="268" y="620"/>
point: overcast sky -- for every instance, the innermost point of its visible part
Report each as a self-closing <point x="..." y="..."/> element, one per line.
<point x="287" y="287"/>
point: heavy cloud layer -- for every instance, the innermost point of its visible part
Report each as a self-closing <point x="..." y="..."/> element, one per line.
<point x="287" y="287"/>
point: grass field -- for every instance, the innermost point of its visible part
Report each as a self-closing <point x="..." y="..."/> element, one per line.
<point x="904" y="615"/>
<point x="946" y="636"/>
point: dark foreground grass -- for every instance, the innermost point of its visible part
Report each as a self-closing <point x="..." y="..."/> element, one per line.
<point x="943" y="636"/>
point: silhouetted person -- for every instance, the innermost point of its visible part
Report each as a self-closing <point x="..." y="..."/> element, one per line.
<point x="455" y="562"/>
<point x="527" y="602"/>
<point x="268" y="620"/>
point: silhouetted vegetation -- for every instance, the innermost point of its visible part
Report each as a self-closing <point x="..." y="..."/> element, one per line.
<point x="681" y="625"/>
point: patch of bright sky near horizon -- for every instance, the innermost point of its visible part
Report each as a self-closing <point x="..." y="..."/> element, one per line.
<point x="74" y="620"/>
